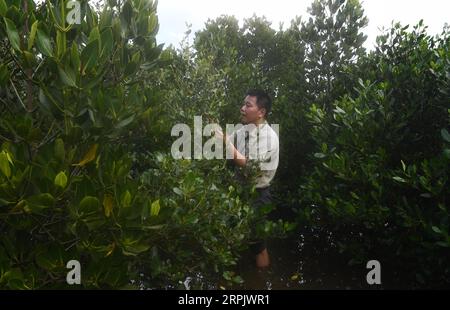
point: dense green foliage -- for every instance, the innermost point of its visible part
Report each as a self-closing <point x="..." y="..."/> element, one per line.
<point x="85" y="132"/>
<point x="82" y="122"/>
<point x="381" y="166"/>
<point x="364" y="136"/>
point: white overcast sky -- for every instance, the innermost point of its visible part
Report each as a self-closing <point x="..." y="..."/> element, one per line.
<point x="174" y="14"/>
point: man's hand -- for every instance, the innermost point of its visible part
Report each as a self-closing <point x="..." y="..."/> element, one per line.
<point x="219" y="135"/>
<point x="238" y="158"/>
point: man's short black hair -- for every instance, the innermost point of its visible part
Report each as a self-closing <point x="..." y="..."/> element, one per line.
<point x="263" y="99"/>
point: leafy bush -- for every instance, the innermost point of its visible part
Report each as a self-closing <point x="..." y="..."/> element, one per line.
<point x="86" y="115"/>
<point x="382" y="161"/>
<point x="206" y="223"/>
<point x="81" y="121"/>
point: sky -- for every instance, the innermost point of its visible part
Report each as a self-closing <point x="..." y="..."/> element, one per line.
<point x="174" y="14"/>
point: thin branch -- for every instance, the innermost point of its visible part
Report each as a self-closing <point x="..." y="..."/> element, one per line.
<point x="35" y="70"/>
<point x="18" y="96"/>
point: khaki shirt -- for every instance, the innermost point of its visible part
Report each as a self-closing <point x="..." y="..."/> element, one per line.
<point x="262" y="146"/>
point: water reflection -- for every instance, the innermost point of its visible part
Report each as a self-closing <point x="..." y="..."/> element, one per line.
<point x="309" y="260"/>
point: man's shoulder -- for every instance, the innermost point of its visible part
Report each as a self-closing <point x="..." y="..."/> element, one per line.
<point x="271" y="132"/>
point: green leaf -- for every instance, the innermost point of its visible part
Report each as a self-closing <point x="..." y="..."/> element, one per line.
<point x="360" y="81"/>
<point x="130" y="68"/>
<point x="75" y="57"/>
<point x="319" y="155"/>
<point x="145" y="211"/>
<point x="3" y="8"/>
<point x="153" y="227"/>
<point x="425" y="195"/>
<point x="178" y="191"/>
<point x="44" y="199"/>
<point x="127" y="12"/>
<point x="39" y="202"/>
<point x="91" y="17"/>
<point x="89" y="156"/>
<point x="105" y="18"/>
<point x="354" y="195"/>
<point x="43" y="43"/>
<point x="60" y="44"/>
<point x="61" y="180"/>
<point x="227" y="275"/>
<point x="89" y="55"/>
<point x="5" y="202"/>
<point x="13" y="35"/>
<point x="399" y="179"/>
<point x="436" y="229"/>
<point x="136" y="57"/>
<point x="107" y="44"/>
<point x="339" y="110"/>
<point x="94" y="35"/>
<point x="93" y="222"/>
<point x="154" y="210"/>
<point x="4" y="165"/>
<point x="134" y="249"/>
<point x="14" y="279"/>
<point x="89" y="204"/>
<point x="142" y="25"/>
<point x="4" y="75"/>
<point x="125" y="122"/>
<point x="94" y="81"/>
<point x="50" y="258"/>
<point x="67" y="76"/>
<point x="108" y="204"/>
<point x="32" y="34"/>
<point x="126" y="199"/>
<point x="445" y="135"/>
<point x="9" y="158"/>
<point x="238" y="279"/>
<point x="152" y="23"/>
<point x="443" y="244"/>
<point x="59" y="150"/>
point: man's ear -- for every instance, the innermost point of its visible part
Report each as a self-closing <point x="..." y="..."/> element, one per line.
<point x="264" y="111"/>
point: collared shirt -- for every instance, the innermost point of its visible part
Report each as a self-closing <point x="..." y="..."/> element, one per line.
<point x="259" y="143"/>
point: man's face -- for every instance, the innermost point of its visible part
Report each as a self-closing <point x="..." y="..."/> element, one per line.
<point x="250" y="112"/>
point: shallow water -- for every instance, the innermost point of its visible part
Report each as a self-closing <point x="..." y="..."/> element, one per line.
<point x="311" y="260"/>
<point x="298" y="264"/>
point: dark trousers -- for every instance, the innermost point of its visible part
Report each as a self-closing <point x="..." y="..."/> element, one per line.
<point x="264" y="197"/>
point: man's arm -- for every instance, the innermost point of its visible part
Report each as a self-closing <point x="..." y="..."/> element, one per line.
<point x="238" y="158"/>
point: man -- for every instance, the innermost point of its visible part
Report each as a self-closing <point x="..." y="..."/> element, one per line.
<point x="257" y="142"/>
